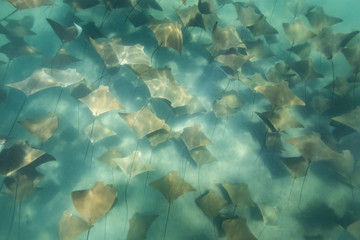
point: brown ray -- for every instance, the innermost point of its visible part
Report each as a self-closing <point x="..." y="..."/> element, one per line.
<point x="168" y="35"/>
<point x="225" y="38"/>
<point x="42" y="127"/>
<point x="305" y="70"/>
<point x="282" y="72"/>
<point x="237" y="229"/>
<point x="193" y="137"/>
<point x="96" y="131"/>
<point x="352" y="55"/>
<point x="297" y="166"/>
<point x="239" y="194"/>
<point x="191" y="17"/>
<point x="297" y="32"/>
<point x="298" y="7"/>
<point x="95" y="202"/>
<point x="340" y="87"/>
<point x="17" y="48"/>
<point x="133" y="165"/>
<point x="115" y="4"/>
<point x="108" y="157"/>
<point x="270" y="214"/>
<point x="228" y="104"/>
<point x="78" y="5"/>
<point x="319" y="20"/>
<point x="71" y="226"/>
<point x="19" y="28"/>
<point x="101" y="100"/>
<point x="201" y="155"/>
<point x="257" y="50"/>
<point x="211" y="204"/>
<point x="65" y="34"/>
<point x="262" y="27"/>
<point x="139" y="225"/>
<point x="303" y="50"/>
<point x="350" y="119"/>
<point x="62" y="60"/>
<point x="207" y="6"/>
<point x="26" y="4"/>
<point x="232" y="59"/>
<point x="248" y="13"/>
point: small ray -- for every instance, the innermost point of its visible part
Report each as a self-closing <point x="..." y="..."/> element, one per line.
<point x="254" y="80"/>
<point x="350" y="119"/>
<point x="172" y="186"/>
<point x="17" y="48"/>
<point x="354" y="229"/>
<point x="340" y="87"/>
<point x="25" y="4"/>
<point x="19" y="28"/>
<point x="303" y="50"/>
<point x="168" y="35"/>
<point x="232" y="59"/>
<point x="239" y="194"/>
<point x="78" y="5"/>
<point x="115" y="4"/>
<point x="194" y="106"/>
<point x="65" y="34"/>
<point x="282" y="72"/>
<point x="139" y="225"/>
<point x="279" y="120"/>
<point x="262" y="27"/>
<point x="133" y="165"/>
<point x="42" y="127"/>
<point x="62" y="60"/>
<point x="211" y="204"/>
<point x="270" y="214"/>
<point x="201" y="155"/>
<point x="138" y="18"/>
<point x="320" y="103"/>
<point x="297" y="32"/>
<point x="92" y="31"/>
<point x="228" y="104"/>
<point x="248" y="13"/>
<point x="319" y="20"/>
<point x="207" y="6"/>
<point x="191" y="17"/>
<point x="304" y="69"/>
<point x="97" y="131"/>
<point x="80" y="89"/>
<point x="279" y="95"/>
<point x="237" y="229"/>
<point x="20" y="157"/>
<point x="225" y="38"/>
<point x="145" y="123"/>
<point x="297" y="166"/>
<point x="101" y="100"/>
<point x="108" y="157"/>
<point x="257" y="50"/>
<point x="193" y="137"/>
<point x="298" y="8"/>
<point x="329" y="43"/>
<point x="352" y="55"/>
<point x="71" y="226"/>
<point x="95" y="202"/>
<point x="149" y="4"/>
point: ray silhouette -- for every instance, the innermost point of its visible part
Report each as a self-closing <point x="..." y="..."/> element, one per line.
<point x="225" y="38"/>
<point x="138" y="18"/>
<point x="168" y="35"/>
<point x="248" y="13"/>
<point x="191" y="17"/>
<point x="298" y="8"/>
<point x="17" y="48"/>
<point x="145" y="123"/>
<point x="341" y="87"/>
<point x="71" y="226"/>
<point x="211" y="203"/>
<point x="350" y="119"/>
<point x="304" y="68"/>
<point x="257" y="50"/>
<point x="262" y="27"/>
<point x="270" y="216"/>
<point x="94" y="203"/>
<point x="62" y="60"/>
<point x="232" y="59"/>
<point x="108" y="157"/>
<point x="18" y="28"/>
<point x="283" y="72"/>
<point x="91" y="31"/>
<point x="139" y="225"/>
<point x="171" y="186"/>
<point x="207" y="7"/>
<point x="319" y="20"/>
<point x="237" y="229"/>
<point x="239" y="195"/>
<point x="302" y="50"/>
<point x="112" y="5"/>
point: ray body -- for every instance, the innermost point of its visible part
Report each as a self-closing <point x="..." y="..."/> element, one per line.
<point x="139" y="225"/>
<point x="225" y="38"/>
<point x="191" y="17"/>
<point x="133" y="165"/>
<point x="71" y="226"/>
<point x="168" y="35"/>
<point x="237" y="229"/>
<point x="26" y="4"/>
<point x="211" y="204"/>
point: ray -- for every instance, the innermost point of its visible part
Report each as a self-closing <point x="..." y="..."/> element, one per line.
<point x="298" y="8"/>
<point x="211" y="203"/>
<point x="191" y="17"/>
<point x="145" y="123"/>
<point x="139" y="225"/>
<point x="23" y="4"/>
<point x="62" y="60"/>
<point x="97" y="132"/>
<point x="232" y="59"/>
<point x="237" y="229"/>
<point x="340" y="87"/>
<point x="17" y="48"/>
<point x="297" y="32"/>
<point x="137" y="18"/>
<point x="108" y="157"/>
<point x="18" y="28"/>
<point x="352" y="54"/>
<point x="257" y="50"/>
<point x="319" y="20"/>
<point x="78" y="5"/>
<point x="228" y="104"/>
<point x="71" y="226"/>
<point x="248" y="13"/>
<point x="304" y="68"/>
<point x="168" y="35"/>
<point x="262" y="27"/>
<point x="225" y="38"/>
<point x="207" y="6"/>
<point x="112" y="5"/>
<point x="171" y="186"/>
<point x="350" y="119"/>
<point x="353" y="229"/>
<point x="239" y="195"/>
<point x="302" y="50"/>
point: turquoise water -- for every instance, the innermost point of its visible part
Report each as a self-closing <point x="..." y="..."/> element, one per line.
<point x="320" y="207"/>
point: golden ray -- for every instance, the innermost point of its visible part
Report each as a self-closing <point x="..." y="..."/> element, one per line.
<point x="21" y="156"/>
<point x="236" y="229"/>
<point x="297" y="166"/>
<point x="257" y="50"/>
<point x="95" y="202"/>
<point x="211" y="204"/>
<point x="262" y="27"/>
<point x="352" y="55"/>
<point x="139" y="225"/>
<point x="71" y="226"/>
<point x="97" y="131"/>
<point x="193" y="137"/>
<point x="320" y="103"/>
<point x="228" y="104"/>
<point x="17" y="48"/>
<point x="101" y="100"/>
<point x="26" y="4"/>
<point x="191" y="17"/>
<point x="133" y="165"/>
<point x="270" y="214"/>
<point x="80" y="89"/>
<point x="108" y="157"/>
<point x="19" y="28"/>
<point x="201" y="155"/>
<point x="279" y="120"/>
<point x="194" y="106"/>
<point x="168" y="35"/>
<point x="282" y="72"/>
<point x="303" y="50"/>
<point x="279" y="95"/>
<point x="42" y="127"/>
<point x="172" y="186"/>
<point x="340" y="87"/>
<point x="319" y="20"/>
<point x="248" y="13"/>
<point x="239" y="194"/>
<point x="150" y="4"/>
<point x="297" y="32"/>
<point x="144" y="123"/>
<point x="225" y="38"/>
<point x="304" y="69"/>
<point x="350" y="119"/>
<point x="78" y="5"/>
<point x="233" y="59"/>
<point x="298" y="7"/>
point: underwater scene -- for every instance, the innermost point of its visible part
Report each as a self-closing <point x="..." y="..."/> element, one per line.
<point x="179" y="119"/>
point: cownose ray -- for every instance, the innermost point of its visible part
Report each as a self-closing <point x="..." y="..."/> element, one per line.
<point x="139" y="226"/>
<point x="227" y="104"/>
<point x="233" y="59"/>
<point x="191" y="17"/>
<point x="108" y="157"/>
<point x="18" y="28"/>
<point x="270" y="216"/>
<point x="138" y="17"/>
<point x="144" y="123"/>
<point x="71" y="226"/>
<point x="302" y="50"/>
<point x="90" y="30"/>
<point x="95" y="202"/>
<point x="237" y="229"/>
<point x="42" y="127"/>
<point x="352" y="53"/>
<point x="239" y="195"/>
<point x="257" y="50"/>
<point x="131" y="165"/>
<point x="168" y="34"/>
<point x="225" y="38"/>
<point x="262" y="28"/>
<point x="282" y="72"/>
<point x="313" y="150"/>
<point x="353" y="229"/>
<point x="279" y="95"/>
<point x="207" y="7"/>
<point x="99" y="101"/>
<point x="97" y="132"/>
<point x="171" y="186"/>
<point x="196" y="141"/>
<point x="350" y="119"/>
<point x="279" y="120"/>
<point x="78" y="5"/>
<point x="341" y="87"/>
<point x="298" y="8"/>
<point x="62" y="60"/>
<point x="304" y="68"/>
<point x="248" y="13"/>
<point x="329" y="43"/>
<point x="112" y="5"/>
<point x="318" y="19"/>
<point x="25" y="4"/>
<point x="296" y="32"/>
<point x="115" y="54"/>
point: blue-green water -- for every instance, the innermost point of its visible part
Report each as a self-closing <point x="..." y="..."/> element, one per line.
<point x="322" y="206"/>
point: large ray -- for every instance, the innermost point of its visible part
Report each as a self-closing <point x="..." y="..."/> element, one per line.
<point x="18" y="28"/>
<point x="65" y="34"/>
<point x="96" y="131"/>
<point x="42" y="127"/>
<point x="108" y="157"/>
<point x="279" y="120"/>
<point x="225" y="38"/>
<point x="139" y="225"/>
<point x="78" y="5"/>
<point x="279" y="95"/>
<point x="115" y="54"/>
<point x="95" y="202"/>
<point x="20" y="157"/>
<point x="297" y="32"/>
<point x="239" y="195"/>
<point x="319" y="20"/>
<point x="211" y="203"/>
<point x="248" y="13"/>
<point x="237" y="229"/>
<point x="26" y="4"/>
<point x="101" y="100"/>
<point x="145" y="123"/>
<point x="352" y="55"/>
<point x="133" y="165"/>
<point x="71" y="226"/>
<point x="191" y="17"/>
<point x="168" y="35"/>
<point x="17" y="48"/>
<point x="350" y="119"/>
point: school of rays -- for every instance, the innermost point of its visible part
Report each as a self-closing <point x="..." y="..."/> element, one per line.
<point x="150" y="119"/>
